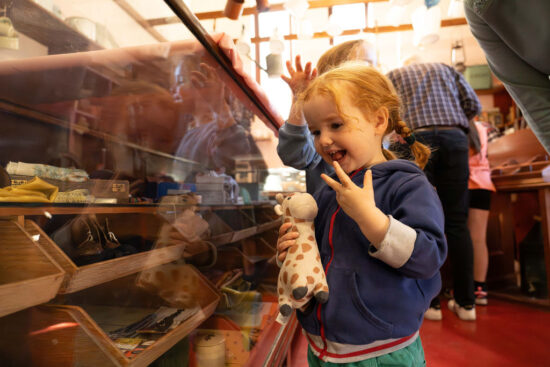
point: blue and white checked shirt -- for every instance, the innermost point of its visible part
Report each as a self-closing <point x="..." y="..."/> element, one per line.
<point x="434" y="94"/>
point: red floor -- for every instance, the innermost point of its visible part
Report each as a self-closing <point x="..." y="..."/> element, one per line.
<point x="505" y="334"/>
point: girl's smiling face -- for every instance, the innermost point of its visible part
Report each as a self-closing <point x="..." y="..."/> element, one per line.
<point x="354" y="141"/>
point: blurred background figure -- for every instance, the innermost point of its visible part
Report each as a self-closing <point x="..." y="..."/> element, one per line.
<point x="438" y="106"/>
<point x="480" y="187"/>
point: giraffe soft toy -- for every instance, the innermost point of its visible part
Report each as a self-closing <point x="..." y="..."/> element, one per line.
<point x="301" y="276"/>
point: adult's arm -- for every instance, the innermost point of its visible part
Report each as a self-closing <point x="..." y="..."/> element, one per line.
<point x="469" y="102"/>
<point x="528" y="85"/>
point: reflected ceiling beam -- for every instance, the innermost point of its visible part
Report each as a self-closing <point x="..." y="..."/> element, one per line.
<point x="123" y="4"/>
<point x="313" y="4"/>
<point x="381" y="29"/>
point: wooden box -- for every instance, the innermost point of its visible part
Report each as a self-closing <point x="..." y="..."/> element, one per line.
<point x="28" y="275"/>
<point x="81" y="277"/>
<point x="73" y="330"/>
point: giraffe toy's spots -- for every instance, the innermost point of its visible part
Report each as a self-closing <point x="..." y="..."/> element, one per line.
<point x="302" y="265"/>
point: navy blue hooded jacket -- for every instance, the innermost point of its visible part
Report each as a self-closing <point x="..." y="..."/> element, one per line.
<point x="378" y="295"/>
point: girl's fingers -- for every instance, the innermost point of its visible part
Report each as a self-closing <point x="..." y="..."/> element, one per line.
<point x="290" y="68"/>
<point x="367" y="180"/>
<point x="289" y="236"/>
<point x="284" y="245"/>
<point x="344" y="178"/>
<point x="200" y="76"/>
<point x="298" y="63"/>
<point x="284" y="228"/>
<point x="207" y="70"/>
<point x="285" y="78"/>
<point x="313" y="74"/>
<point x="196" y="82"/>
<point x="335" y="185"/>
<point x="307" y="70"/>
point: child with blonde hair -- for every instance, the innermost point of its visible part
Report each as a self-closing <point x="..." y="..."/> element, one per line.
<point x="295" y="147"/>
<point x="379" y="227"/>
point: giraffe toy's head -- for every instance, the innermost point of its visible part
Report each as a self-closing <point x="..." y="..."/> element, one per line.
<point x="298" y="205"/>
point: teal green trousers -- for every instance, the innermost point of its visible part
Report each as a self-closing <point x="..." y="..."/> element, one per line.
<point x="411" y="356"/>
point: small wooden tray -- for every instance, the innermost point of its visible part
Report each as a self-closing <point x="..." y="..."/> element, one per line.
<point x="81" y="277"/>
<point x="28" y="275"/>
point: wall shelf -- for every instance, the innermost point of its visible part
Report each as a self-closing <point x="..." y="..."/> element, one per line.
<point x="40" y="116"/>
<point x="46" y="28"/>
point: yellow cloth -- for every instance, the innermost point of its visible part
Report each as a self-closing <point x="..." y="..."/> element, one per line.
<point x="36" y="190"/>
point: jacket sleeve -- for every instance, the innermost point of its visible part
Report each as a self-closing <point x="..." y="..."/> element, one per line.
<point x="468" y="98"/>
<point x="415" y="242"/>
<point x="528" y="86"/>
<point x="296" y="147"/>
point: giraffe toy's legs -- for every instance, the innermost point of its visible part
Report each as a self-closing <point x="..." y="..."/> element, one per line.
<point x="321" y="292"/>
<point x="299" y="292"/>
<point x="285" y="309"/>
<point x="321" y="297"/>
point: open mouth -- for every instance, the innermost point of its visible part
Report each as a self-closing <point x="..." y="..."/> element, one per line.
<point x="337" y="155"/>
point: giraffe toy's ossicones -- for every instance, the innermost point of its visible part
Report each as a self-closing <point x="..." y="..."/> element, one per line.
<point x="301" y="276"/>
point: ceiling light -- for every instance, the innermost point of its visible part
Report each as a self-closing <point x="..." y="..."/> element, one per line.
<point x="305" y="29"/>
<point x="333" y="28"/>
<point x="297" y="8"/>
<point x="426" y="24"/>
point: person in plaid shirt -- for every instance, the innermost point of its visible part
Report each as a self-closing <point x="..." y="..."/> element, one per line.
<point x="438" y="106"/>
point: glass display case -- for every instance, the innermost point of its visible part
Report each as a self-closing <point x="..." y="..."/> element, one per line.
<point x="133" y="226"/>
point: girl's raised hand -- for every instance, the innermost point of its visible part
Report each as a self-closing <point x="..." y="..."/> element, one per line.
<point x="285" y="240"/>
<point x="300" y="77"/>
<point x="357" y="202"/>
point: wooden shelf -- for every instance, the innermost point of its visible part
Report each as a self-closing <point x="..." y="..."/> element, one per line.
<point x="81" y="277"/>
<point x="18" y="209"/>
<point x="43" y="26"/>
<point x="81" y="322"/>
<point x="28" y="276"/>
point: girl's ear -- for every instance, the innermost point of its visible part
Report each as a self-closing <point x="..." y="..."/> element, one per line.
<point x="381" y="117"/>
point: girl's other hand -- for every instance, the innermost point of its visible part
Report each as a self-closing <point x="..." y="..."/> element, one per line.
<point x="300" y="77"/>
<point x="355" y="201"/>
<point x="359" y="204"/>
<point x="286" y="239"/>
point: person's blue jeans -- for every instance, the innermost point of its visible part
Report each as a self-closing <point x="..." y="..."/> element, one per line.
<point x="448" y="171"/>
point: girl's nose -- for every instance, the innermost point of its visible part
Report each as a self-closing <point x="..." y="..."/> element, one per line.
<point x="325" y="139"/>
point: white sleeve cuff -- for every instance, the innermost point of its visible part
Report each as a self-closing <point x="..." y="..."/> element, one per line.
<point x="397" y="246"/>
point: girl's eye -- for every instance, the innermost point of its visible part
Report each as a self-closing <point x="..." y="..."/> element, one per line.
<point x="314" y="132"/>
<point x="336" y="125"/>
